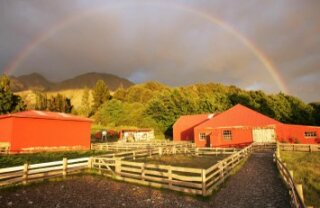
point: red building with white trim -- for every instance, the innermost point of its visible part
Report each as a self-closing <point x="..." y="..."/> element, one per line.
<point x="183" y="128"/>
<point x="241" y="126"/>
<point x="41" y="130"/>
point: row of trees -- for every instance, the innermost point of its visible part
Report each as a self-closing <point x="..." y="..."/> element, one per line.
<point x="57" y="103"/>
<point x="60" y="103"/>
<point x="159" y="106"/>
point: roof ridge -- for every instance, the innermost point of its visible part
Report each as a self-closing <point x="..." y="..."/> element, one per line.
<point x="46" y="115"/>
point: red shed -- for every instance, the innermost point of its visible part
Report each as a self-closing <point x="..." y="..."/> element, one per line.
<point x="240" y="126"/>
<point x="42" y="130"/>
<point x="184" y="126"/>
<point x="237" y="126"/>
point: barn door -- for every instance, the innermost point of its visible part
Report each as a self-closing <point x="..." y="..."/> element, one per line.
<point x="264" y="135"/>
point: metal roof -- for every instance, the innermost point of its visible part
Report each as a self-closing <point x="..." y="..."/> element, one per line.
<point x="45" y="115"/>
<point x="239" y="115"/>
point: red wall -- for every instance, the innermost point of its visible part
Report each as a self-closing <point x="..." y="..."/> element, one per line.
<point x="182" y="133"/>
<point x="295" y="134"/>
<point x="243" y="135"/>
<point x="6" y="129"/>
<point x="32" y="132"/>
<point x="240" y="136"/>
<point x="202" y="143"/>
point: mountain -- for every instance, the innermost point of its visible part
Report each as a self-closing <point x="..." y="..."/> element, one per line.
<point x="32" y="81"/>
<point x="36" y="81"/>
<point x="89" y="80"/>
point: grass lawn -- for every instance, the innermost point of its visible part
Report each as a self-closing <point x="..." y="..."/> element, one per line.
<point x="184" y="160"/>
<point x="20" y="159"/>
<point x="306" y="170"/>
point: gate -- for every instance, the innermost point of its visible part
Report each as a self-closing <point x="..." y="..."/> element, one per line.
<point x="264" y="135"/>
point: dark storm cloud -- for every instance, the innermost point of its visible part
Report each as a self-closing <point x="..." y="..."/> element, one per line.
<point x="145" y="41"/>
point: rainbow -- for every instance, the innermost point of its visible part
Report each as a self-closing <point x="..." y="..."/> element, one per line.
<point x="60" y="25"/>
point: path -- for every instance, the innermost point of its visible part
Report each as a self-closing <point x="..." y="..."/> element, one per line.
<point x="257" y="184"/>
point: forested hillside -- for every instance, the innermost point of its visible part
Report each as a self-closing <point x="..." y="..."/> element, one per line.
<point x="153" y="104"/>
<point x="158" y="106"/>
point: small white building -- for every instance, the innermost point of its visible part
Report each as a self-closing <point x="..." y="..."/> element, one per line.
<point x="136" y="135"/>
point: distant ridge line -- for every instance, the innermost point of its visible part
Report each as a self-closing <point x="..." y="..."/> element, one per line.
<point x="36" y="81"/>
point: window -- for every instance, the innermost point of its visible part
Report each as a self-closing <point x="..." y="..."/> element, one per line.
<point x="227" y="134"/>
<point x="202" y="136"/>
<point x="310" y="134"/>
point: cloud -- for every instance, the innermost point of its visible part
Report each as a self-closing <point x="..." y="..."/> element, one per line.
<point x="143" y="41"/>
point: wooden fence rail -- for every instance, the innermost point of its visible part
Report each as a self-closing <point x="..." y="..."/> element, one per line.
<point x="122" y="166"/>
<point x="295" y="190"/>
<point x="184" y="179"/>
<point x="32" y="172"/>
<point x="300" y="147"/>
<point x="120" y="146"/>
<point x="217" y="174"/>
<point x="257" y="146"/>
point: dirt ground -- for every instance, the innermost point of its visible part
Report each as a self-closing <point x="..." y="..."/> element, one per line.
<point x="257" y="184"/>
<point x="184" y="160"/>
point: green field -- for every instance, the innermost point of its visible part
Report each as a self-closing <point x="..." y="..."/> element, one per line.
<point x="306" y="170"/>
<point x="184" y="160"/>
<point x="20" y="159"/>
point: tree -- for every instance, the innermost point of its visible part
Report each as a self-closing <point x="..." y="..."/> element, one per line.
<point x="41" y="101"/>
<point x="100" y="94"/>
<point x="60" y="103"/>
<point x="85" y="108"/>
<point x="9" y="102"/>
<point x="316" y="112"/>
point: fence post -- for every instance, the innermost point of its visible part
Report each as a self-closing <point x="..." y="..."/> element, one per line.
<point x="134" y="155"/>
<point x="221" y="171"/>
<point x="25" y="173"/>
<point x="170" y="177"/>
<point x="64" y="167"/>
<point x="300" y="191"/>
<point x="204" y="188"/>
<point x="197" y="151"/>
<point x="160" y="151"/>
<point x="90" y="162"/>
<point x="118" y="168"/>
<point x="142" y="172"/>
<point x="278" y="150"/>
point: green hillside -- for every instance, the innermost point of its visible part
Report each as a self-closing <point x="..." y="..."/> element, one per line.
<point x="157" y="106"/>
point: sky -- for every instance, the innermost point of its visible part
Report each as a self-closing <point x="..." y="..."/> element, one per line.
<point x="254" y="44"/>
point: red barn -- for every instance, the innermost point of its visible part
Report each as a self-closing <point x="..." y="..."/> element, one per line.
<point x="241" y="126"/>
<point x="184" y="126"/>
<point x="42" y="130"/>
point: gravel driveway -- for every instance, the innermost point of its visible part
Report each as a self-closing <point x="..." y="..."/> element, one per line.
<point x="257" y="184"/>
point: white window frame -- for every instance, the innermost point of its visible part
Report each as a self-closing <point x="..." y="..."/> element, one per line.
<point x="310" y="134"/>
<point x="227" y="134"/>
<point x="202" y="136"/>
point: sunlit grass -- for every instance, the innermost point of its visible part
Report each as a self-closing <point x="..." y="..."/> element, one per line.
<point x="306" y="170"/>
